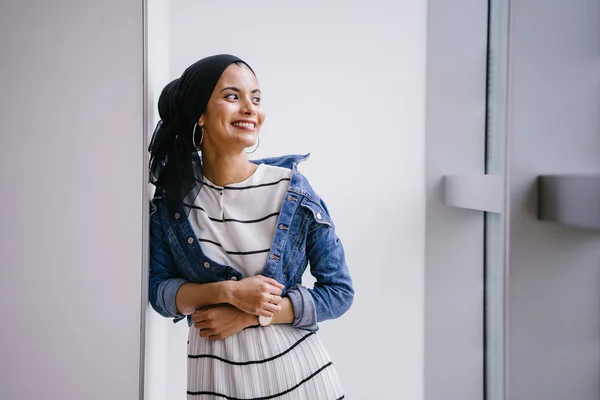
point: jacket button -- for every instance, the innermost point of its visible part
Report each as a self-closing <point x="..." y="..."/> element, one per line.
<point x="191" y="240"/>
<point x="206" y="264"/>
<point x="319" y="215"/>
<point x="177" y="215"/>
<point x="234" y="278"/>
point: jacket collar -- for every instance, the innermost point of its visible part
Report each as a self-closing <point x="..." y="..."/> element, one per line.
<point x="289" y="161"/>
<point x="298" y="183"/>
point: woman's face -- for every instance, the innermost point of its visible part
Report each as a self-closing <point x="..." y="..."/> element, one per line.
<point x="234" y="113"/>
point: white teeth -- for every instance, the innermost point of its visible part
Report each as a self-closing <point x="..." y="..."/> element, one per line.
<point x="244" y="124"/>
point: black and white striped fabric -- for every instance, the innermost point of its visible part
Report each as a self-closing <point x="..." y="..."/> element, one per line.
<point x="235" y="225"/>
<point x="273" y="362"/>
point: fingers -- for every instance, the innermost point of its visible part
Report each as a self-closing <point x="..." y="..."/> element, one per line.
<point x="272" y="299"/>
<point x="270" y="305"/>
<point x="202" y="325"/>
<point x="271" y="281"/>
<point x="266" y="313"/>
<point x="214" y="338"/>
<point x="206" y="332"/>
<point x="274" y="308"/>
<point x="272" y="290"/>
<point x="269" y="309"/>
<point x="198" y="315"/>
<point x="211" y="335"/>
<point x="200" y="321"/>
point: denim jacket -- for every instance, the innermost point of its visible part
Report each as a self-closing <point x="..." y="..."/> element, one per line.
<point x="304" y="235"/>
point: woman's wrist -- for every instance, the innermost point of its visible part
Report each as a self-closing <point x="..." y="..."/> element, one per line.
<point x="286" y="315"/>
<point x="226" y="292"/>
<point x="251" y="320"/>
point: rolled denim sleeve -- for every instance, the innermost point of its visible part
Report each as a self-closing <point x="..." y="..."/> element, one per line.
<point x="333" y="292"/>
<point x="305" y="311"/>
<point x="163" y="281"/>
<point x="165" y="297"/>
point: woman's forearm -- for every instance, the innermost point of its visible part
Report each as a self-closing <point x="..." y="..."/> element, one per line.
<point x="194" y="296"/>
<point x="285" y="316"/>
<point x="252" y="295"/>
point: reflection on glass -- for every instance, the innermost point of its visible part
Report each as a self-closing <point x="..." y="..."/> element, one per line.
<point x="494" y="308"/>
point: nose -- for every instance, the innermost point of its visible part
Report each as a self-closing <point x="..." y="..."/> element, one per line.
<point x="248" y="108"/>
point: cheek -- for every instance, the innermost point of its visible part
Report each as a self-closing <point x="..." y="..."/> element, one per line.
<point x="220" y="115"/>
<point x="261" y="116"/>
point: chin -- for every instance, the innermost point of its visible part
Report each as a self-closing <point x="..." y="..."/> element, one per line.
<point x="249" y="140"/>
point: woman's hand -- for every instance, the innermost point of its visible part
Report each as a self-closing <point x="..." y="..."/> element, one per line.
<point x="221" y="321"/>
<point x="257" y="295"/>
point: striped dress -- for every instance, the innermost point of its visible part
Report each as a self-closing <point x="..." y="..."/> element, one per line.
<point x="235" y="225"/>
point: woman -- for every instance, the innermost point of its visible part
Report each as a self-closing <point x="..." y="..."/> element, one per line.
<point x="231" y="239"/>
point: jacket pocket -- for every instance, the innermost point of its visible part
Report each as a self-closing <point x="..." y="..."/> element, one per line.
<point x="319" y="215"/>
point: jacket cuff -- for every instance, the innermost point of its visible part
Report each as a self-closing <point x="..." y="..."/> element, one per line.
<point x="305" y="311"/>
<point x="167" y="293"/>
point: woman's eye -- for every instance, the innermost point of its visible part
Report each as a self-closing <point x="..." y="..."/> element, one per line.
<point x="231" y="96"/>
<point x="256" y="99"/>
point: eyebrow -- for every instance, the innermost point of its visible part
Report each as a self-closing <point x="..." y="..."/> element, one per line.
<point x="238" y="90"/>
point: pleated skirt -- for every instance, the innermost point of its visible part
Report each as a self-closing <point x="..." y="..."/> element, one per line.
<point x="273" y="362"/>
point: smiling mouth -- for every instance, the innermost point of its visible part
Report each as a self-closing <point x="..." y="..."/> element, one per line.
<point x="247" y="125"/>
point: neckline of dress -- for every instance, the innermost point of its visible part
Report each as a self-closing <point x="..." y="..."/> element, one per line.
<point x="237" y="184"/>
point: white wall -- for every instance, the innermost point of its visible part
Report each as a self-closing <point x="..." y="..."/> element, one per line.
<point x="345" y="81"/>
<point x="71" y="216"/>
<point x="554" y="288"/>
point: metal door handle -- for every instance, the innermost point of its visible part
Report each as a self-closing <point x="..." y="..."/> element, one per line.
<point x="570" y="200"/>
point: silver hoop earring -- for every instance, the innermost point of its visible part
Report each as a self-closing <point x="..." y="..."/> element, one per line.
<point x="194" y="137"/>
<point x="257" y="145"/>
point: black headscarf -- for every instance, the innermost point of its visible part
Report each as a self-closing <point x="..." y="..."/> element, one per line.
<point x="174" y="163"/>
